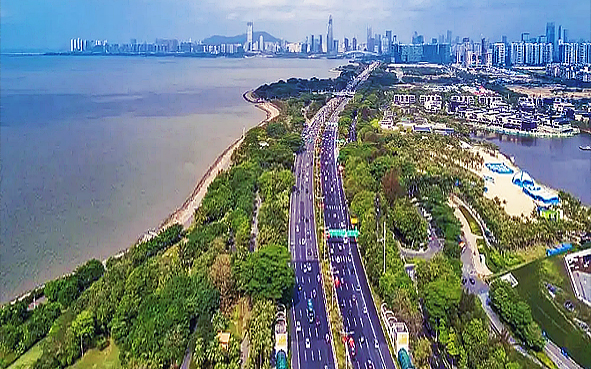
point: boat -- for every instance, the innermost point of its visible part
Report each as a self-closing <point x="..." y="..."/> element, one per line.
<point x="586" y="148"/>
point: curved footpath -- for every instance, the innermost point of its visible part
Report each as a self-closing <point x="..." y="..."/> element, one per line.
<point x="184" y="214"/>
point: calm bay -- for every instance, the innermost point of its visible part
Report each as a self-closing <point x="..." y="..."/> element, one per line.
<point x="96" y="150"/>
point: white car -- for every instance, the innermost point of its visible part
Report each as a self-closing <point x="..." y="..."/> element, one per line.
<point x="307" y="343"/>
<point x="298" y="326"/>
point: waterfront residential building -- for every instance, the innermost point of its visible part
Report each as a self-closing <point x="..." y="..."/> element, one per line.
<point x="404" y="99"/>
<point x="463" y="99"/>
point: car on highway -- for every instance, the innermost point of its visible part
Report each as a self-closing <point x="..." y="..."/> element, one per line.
<point x="354" y="298"/>
<point x="298" y="326"/>
<point x="307" y="342"/>
<point x="314" y="293"/>
<point x="317" y="322"/>
<point x="370" y="365"/>
<point x="376" y="344"/>
<point x="564" y="352"/>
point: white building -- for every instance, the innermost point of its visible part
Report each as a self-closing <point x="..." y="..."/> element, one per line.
<point x="249" y="45"/>
<point x="404" y="99"/>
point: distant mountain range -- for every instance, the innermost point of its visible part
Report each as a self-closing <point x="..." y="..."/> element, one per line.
<point x="240" y="39"/>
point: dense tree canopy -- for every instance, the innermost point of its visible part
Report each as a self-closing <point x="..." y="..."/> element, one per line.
<point x="266" y="273"/>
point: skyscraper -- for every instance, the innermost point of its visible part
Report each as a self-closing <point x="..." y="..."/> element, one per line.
<point x="389" y="42"/>
<point x="329" y="37"/>
<point x="560" y="32"/>
<point x="248" y="45"/>
<point x="550" y="32"/>
<point x="525" y="37"/>
<point x="354" y="44"/>
<point x="312" y="44"/>
<point x="448" y="37"/>
<point x="565" y="35"/>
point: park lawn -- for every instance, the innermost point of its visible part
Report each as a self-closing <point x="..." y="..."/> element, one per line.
<point x="474" y="227"/>
<point x="551" y="318"/>
<point x="27" y="359"/>
<point x="108" y="358"/>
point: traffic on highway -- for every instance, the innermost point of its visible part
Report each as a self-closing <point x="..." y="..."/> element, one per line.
<point x="363" y="335"/>
<point x="311" y="343"/>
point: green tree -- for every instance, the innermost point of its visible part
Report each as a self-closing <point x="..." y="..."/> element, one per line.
<point x="422" y="353"/>
<point x="266" y="273"/>
<point x="83" y="327"/>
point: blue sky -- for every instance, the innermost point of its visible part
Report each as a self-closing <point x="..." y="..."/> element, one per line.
<point x="49" y="24"/>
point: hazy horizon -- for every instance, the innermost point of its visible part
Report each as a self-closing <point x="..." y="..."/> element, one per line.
<point x="32" y="26"/>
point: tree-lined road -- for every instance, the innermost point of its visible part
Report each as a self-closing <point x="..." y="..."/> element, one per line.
<point x="311" y="345"/>
<point x="311" y="339"/>
<point x="360" y="318"/>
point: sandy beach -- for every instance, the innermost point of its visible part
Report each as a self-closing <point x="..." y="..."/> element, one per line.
<point x="513" y="199"/>
<point x="184" y="214"/>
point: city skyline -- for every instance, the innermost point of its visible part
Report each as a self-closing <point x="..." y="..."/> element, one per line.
<point x="30" y="25"/>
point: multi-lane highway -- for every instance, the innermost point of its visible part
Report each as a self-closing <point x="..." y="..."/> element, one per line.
<point x="311" y="343"/>
<point x="360" y="318"/>
<point x="311" y="339"/>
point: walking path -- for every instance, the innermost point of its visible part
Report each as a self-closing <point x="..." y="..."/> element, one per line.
<point x="471" y="245"/>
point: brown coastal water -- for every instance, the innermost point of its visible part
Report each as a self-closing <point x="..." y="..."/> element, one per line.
<point x="96" y="150"/>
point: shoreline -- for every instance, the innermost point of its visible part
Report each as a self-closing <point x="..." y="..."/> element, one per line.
<point x="184" y="214"/>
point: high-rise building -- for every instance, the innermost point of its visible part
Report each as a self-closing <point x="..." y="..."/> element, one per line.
<point x="248" y="46"/>
<point x="498" y="54"/>
<point x="378" y="44"/>
<point x="550" y="32"/>
<point x="320" y="46"/>
<point x="389" y="42"/>
<point x="525" y="37"/>
<point x="504" y="40"/>
<point x="517" y="52"/>
<point x="354" y="44"/>
<point x="261" y="43"/>
<point x="329" y="37"/>
<point x="312" y="44"/>
<point x="369" y="44"/>
<point x="565" y="35"/>
<point x="346" y="44"/>
<point x="560" y="32"/>
<point x="448" y="37"/>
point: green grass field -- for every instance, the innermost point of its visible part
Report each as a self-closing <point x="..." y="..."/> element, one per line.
<point x="95" y="359"/>
<point x="27" y="359"/>
<point x="474" y="227"/>
<point x="550" y="315"/>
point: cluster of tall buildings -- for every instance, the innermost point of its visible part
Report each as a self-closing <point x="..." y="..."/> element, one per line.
<point x="552" y="47"/>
